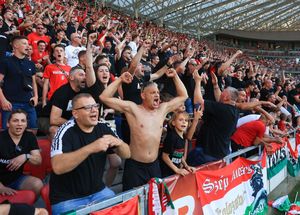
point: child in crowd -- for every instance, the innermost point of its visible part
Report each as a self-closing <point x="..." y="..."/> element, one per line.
<point x="281" y="124"/>
<point x="175" y="144"/>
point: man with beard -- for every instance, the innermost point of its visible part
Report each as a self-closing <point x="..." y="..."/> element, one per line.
<point x="59" y="108"/>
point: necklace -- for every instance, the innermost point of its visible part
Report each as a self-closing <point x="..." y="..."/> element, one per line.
<point x="148" y="111"/>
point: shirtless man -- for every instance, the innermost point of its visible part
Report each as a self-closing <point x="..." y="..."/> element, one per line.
<point x="146" y="123"/>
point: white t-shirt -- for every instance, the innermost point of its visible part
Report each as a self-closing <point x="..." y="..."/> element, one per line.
<point x="72" y="55"/>
<point x="248" y="118"/>
<point x="134" y="48"/>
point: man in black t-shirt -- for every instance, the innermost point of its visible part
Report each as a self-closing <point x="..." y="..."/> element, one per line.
<point x="219" y="123"/>
<point x="59" y="109"/>
<point x="78" y="155"/>
<point x="124" y="60"/>
<point x="266" y="90"/>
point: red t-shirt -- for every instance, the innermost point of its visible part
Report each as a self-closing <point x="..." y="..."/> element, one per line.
<point x="281" y="125"/>
<point x="36" y="56"/>
<point x="33" y="38"/>
<point x="56" y="77"/>
<point x="246" y="133"/>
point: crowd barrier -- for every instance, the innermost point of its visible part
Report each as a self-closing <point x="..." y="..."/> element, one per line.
<point x="184" y="192"/>
<point x="184" y="195"/>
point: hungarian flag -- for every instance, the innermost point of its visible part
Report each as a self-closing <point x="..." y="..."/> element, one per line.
<point x="115" y="21"/>
<point x="130" y="207"/>
<point x="159" y="202"/>
<point x="283" y="203"/>
<point x="294" y="209"/>
<point x="293" y="158"/>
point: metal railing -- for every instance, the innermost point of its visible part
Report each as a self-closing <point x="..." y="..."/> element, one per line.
<point x="143" y="191"/>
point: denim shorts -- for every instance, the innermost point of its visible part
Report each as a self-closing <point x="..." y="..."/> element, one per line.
<point x="31" y="114"/>
<point x="15" y="185"/>
<point x="75" y="204"/>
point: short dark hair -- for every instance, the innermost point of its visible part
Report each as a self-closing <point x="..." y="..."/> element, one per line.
<point x="153" y="47"/>
<point x="15" y="112"/>
<point x="99" y="58"/>
<point x="59" y="46"/>
<point x="250" y="83"/>
<point x="17" y="38"/>
<point x="41" y="41"/>
<point x="81" y="54"/>
<point x="282" y="116"/>
<point x="153" y="57"/>
<point x="134" y="37"/>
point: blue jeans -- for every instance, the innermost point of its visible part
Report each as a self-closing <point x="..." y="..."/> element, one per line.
<point x="15" y="185"/>
<point x="75" y="204"/>
<point x="31" y="114"/>
<point x="197" y="157"/>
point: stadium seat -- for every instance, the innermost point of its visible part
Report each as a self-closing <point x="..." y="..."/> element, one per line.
<point x="45" y="167"/>
<point x="23" y="196"/>
<point x="45" y="195"/>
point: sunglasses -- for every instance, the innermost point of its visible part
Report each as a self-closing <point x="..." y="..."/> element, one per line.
<point x="18" y="150"/>
<point x="40" y="77"/>
<point x="1" y="20"/>
<point x="193" y="64"/>
<point x="88" y="108"/>
<point x="40" y="28"/>
<point x="79" y="37"/>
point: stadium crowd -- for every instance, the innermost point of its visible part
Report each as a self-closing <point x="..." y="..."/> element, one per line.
<point x="101" y="84"/>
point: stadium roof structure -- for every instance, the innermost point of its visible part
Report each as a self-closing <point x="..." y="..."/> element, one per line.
<point x="205" y="17"/>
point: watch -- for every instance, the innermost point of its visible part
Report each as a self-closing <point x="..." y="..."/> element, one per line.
<point x="27" y="156"/>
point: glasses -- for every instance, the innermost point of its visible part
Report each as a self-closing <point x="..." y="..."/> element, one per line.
<point x="88" y="108"/>
<point x="241" y="89"/>
<point x="18" y="150"/>
<point x="127" y="52"/>
<point x="40" y="77"/>
<point x="79" y="37"/>
<point x="1" y="20"/>
<point x="40" y="28"/>
<point x="193" y="64"/>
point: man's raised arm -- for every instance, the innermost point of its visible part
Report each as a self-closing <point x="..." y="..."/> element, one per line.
<point x="108" y="93"/>
<point x="197" y="93"/>
<point x="228" y="62"/>
<point x="181" y="91"/>
<point x="90" y="74"/>
<point x="137" y="58"/>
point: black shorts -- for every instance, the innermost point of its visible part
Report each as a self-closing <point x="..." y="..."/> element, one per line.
<point x="137" y="173"/>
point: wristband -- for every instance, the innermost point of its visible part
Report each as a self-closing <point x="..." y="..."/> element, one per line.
<point x="215" y="88"/>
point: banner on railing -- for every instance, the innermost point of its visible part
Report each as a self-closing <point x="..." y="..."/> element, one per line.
<point x="130" y="207"/>
<point x="293" y="159"/>
<point x="184" y="191"/>
<point x="276" y="160"/>
<point x="239" y="188"/>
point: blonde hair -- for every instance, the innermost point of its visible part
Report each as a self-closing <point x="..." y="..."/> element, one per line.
<point x="174" y="116"/>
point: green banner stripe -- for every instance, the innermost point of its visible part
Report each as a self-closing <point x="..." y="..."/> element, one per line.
<point x="276" y="169"/>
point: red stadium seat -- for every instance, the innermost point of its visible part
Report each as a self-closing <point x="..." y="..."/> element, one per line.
<point x="45" y="167"/>
<point x="23" y="196"/>
<point x="45" y="195"/>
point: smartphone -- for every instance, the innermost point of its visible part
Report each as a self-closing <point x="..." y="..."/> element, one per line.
<point x="197" y="106"/>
